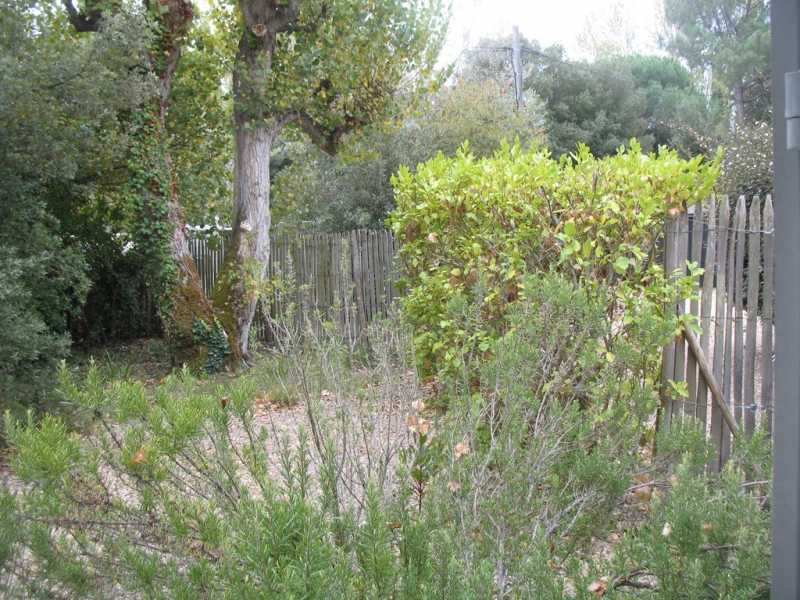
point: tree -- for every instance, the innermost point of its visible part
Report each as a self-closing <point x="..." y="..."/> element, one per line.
<point x="731" y="39"/>
<point x="596" y="103"/>
<point x="605" y="102"/>
<point x="353" y="189"/>
<point x="327" y="68"/>
<point x="198" y="122"/>
<point x="62" y="101"/>
<point x="158" y="229"/>
<point x="674" y="108"/>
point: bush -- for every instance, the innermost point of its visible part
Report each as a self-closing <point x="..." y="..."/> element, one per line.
<point x="186" y="491"/>
<point x="463" y="221"/>
<point x="42" y="284"/>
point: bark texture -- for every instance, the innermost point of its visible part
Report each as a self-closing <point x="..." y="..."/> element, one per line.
<point x="247" y="255"/>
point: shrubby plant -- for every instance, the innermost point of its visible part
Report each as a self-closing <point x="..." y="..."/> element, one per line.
<point x="597" y="221"/>
<point x="187" y="491"/>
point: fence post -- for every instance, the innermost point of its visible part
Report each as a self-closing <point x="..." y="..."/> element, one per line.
<point x="668" y="353"/>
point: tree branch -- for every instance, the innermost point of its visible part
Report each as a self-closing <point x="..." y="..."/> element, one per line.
<point x="83" y="22"/>
<point x="327" y="139"/>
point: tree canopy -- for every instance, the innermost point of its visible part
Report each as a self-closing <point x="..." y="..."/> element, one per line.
<point x="729" y="38"/>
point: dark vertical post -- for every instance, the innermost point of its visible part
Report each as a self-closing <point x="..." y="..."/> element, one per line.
<point x="785" y="21"/>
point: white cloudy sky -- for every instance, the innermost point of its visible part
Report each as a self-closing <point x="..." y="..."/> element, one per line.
<point x="549" y="21"/>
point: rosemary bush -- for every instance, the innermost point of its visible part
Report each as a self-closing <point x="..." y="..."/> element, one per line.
<point x="188" y="491"/>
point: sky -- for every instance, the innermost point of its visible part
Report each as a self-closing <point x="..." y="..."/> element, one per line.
<point x="550" y="22"/>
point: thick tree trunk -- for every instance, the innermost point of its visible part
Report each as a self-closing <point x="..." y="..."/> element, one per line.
<point x="238" y="287"/>
<point x="236" y="295"/>
<point x="187" y="300"/>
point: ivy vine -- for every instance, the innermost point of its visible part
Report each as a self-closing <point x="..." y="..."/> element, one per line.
<point x="147" y="194"/>
<point x="216" y="342"/>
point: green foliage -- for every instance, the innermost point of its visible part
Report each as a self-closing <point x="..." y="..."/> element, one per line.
<point x="30" y="346"/>
<point x="597" y="104"/>
<point x="605" y="103"/>
<point x="199" y="119"/>
<point x="336" y="65"/>
<point x="353" y="189"/>
<point x="185" y="491"/>
<point x="216" y="343"/>
<point x="61" y="98"/>
<point x="731" y="38"/>
<point x="474" y="228"/>
<point x="706" y="536"/>
<point x="147" y="193"/>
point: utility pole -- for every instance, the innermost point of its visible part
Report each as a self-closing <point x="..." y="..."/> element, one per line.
<point x="785" y="25"/>
<point x="516" y="64"/>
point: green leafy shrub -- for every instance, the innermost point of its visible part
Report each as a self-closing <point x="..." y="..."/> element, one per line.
<point x="598" y="221"/>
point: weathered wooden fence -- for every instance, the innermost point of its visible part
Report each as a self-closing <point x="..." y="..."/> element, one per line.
<point x="728" y="368"/>
<point x="351" y="273"/>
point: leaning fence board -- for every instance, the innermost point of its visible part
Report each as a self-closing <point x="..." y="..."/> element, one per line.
<point x="736" y="250"/>
<point x="716" y="392"/>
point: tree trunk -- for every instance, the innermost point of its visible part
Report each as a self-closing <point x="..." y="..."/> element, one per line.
<point x="237" y="290"/>
<point x="247" y="255"/>
<point x="738" y="103"/>
<point x="186" y="300"/>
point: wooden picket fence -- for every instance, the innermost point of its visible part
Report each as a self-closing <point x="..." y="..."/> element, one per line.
<point x="728" y="367"/>
<point x="346" y="277"/>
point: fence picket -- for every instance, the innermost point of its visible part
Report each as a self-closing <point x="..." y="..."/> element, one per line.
<point x="682" y="251"/>
<point x="706" y="304"/>
<point x="767" y="299"/>
<point x="690" y="408"/>
<point x="738" y="322"/>
<point x="753" y="283"/>
<point x="668" y="355"/>
<point x="723" y="222"/>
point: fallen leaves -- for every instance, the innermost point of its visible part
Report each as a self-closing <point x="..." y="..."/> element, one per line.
<point x="461" y="449"/>
<point x="140" y="457"/>
<point x="598" y="586"/>
<point x="418" y="424"/>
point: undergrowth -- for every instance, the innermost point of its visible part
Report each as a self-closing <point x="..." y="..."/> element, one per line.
<point x="532" y="485"/>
